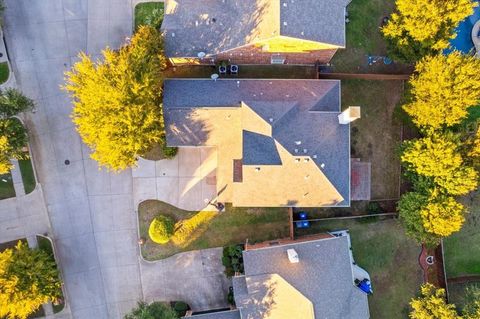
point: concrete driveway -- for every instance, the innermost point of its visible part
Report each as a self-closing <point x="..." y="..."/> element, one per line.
<point x="91" y="211"/>
<point x="195" y="277"/>
<point x="187" y="181"/>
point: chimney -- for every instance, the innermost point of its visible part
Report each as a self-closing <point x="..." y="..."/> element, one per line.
<point x="292" y="256"/>
<point x="349" y="115"/>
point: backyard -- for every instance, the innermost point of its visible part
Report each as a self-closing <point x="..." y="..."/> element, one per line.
<point x="377" y="134"/>
<point x="233" y="226"/>
<point x="462" y="249"/>
<point x="364" y="39"/>
<point x="381" y="248"/>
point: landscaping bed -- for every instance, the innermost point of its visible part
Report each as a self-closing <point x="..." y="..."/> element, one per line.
<point x="462" y="249"/>
<point x="376" y="136"/>
<point x="46" y="245"/>
<point x="364" y="39"/>
<point x="457" y="292"/>
<point x="380" y="246"/>
<point x="233" y="226"/>
<point x="149" y="13"/>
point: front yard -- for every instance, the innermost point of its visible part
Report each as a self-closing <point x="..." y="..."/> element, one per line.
<point x="381" y="248"/>
<point x="233" y="226"/>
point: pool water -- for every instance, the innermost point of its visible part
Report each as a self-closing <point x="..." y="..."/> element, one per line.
<point x="463" y="41"/>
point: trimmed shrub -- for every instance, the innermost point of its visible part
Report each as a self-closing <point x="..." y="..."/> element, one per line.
<point x="180" y="307"/>
<point x="161" y="229"/>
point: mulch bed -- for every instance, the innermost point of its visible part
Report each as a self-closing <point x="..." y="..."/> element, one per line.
<point x="433" y="274"/>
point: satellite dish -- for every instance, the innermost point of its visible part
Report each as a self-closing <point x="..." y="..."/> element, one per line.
<point x="201" y="55"/>
<point x="214" y="76"/>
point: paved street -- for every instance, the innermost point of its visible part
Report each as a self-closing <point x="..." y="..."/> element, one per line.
<point x="91" y="211"/>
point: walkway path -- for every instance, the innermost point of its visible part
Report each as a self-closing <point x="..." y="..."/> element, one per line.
<point x="91" y="211"/>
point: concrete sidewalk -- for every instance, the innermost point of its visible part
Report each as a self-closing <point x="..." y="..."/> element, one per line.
<point x="91" y="211"/>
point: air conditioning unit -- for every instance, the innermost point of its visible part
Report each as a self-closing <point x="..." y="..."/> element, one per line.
<point x="277" y="59"/>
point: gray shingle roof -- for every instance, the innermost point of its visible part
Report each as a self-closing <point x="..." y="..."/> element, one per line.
<point x="323" y="275"/>
<point x="285" y="104"/>
<point x="259" y="149"/>
<point x="214" y="26"/>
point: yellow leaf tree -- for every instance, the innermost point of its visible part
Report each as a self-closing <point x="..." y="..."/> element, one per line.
<point x="28" y="279"/>
<point x="117" y="101"/>
<point x="442" y="90"/>
<point x="432" y="305"/>
<point x="437" y="157"/>
<point x="423" y="27"/>
<point x="442" y="216"/>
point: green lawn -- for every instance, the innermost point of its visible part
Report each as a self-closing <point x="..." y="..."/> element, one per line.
<point x="6" y="186"/>
<point x="457" y="293"/>
<point x="149" y="13"/>
<point x="462" y="249"/>
<point x="4" y="72"/>
<point x="376" y="135"/>
<point x="28" y="177"/>
<point x="381" y="248"/>
<point x="46" y="245"/>
<point x="233" y="226"/>
<point x="364" y="38"/>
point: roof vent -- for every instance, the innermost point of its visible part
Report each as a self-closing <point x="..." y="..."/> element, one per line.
<point x="307" y="176"/>
<point x="298" y="142"/>
<point x="238" y="84"/>
<point x="201" y="55"/>
<point x="305" y="150"/>
<point x="285" y="23"/>
<point x="292" y="256"/>
<point x="196" y="23"/>
<point x="314" y="156"/>
<point x="297" y="160"/>
<point x="285" y="4"/>
<point x="173" y="34"/>
<point x="322" y="165"/>
<point x="271" y="120"/>
<point x="257" y="169"/>
<point x="306" y="160"/>
<point x="296" y="150"/>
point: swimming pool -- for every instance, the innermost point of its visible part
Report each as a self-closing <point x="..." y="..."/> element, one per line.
<point x="463" y="41"/>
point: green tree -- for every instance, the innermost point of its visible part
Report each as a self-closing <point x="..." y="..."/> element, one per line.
<point x="432" y="304"/>
<point x="442" y="215"/>
<point x="117" y="101"/>
<point x="442" y="89"/>
<point x="424" y="27"/>
<point x="14" y="102"/>
<point x="28" y="279"/>
<point x="155" y="310"/>
<point x="437" y="157"/>
<point x="409" y="209"/>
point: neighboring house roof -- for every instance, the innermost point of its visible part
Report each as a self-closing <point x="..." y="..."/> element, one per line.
<point x="214" y="26"/>
<point x="323" y="276"/>
<point x="269" y="296"/>
<point x="286" y="132"/>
